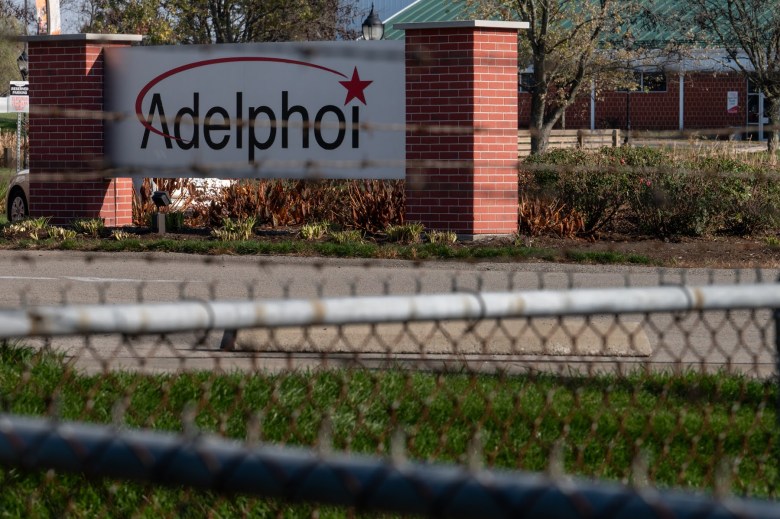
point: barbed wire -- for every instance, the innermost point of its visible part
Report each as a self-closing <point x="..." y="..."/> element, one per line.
<point x="311" y="169"/>
<point x="672" y="397"/>
<point x="433" y="128"/>
<point x="610" y="357"/>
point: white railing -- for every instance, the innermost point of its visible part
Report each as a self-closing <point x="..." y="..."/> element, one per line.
<point x="155" y="318"/>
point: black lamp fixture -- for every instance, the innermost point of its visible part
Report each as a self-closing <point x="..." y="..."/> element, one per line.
<point x="161" y="198"/>
<point x="21" y="62"/>
<point x="373" y="28"/>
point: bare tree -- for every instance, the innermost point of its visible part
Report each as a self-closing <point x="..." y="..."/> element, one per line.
<point x="13" y="10"/>
<point x="10" y="48"/>
<point x="221" y="21"/>
<point x="145" y="17"/>
<point x="569" y="44"/>
<point x="235" y="21"/>
<point x="749" y="33"/>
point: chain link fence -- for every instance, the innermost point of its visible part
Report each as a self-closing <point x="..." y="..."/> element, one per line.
<point x="170" y="385"/>
<point x="173" y="385"/>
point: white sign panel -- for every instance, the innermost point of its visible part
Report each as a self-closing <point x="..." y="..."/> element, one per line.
<point x="732" y="102"/>
<point x="281" y="110"/>
<point x="18" y="98"/>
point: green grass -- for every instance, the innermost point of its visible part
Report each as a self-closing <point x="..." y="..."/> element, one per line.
<point x="684" y="425"/>
<point x="419" y="251"/>
<point x="607" y="257"/>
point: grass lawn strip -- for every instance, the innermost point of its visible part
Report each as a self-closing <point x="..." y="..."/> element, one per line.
<point x="418" y="251"/>
<point x="684" y="425"/>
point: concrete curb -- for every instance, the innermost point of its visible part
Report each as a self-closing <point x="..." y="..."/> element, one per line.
<point x="570" y="336"/>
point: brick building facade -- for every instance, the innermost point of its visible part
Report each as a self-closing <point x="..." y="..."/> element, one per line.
<point x="709" y="95"/>
<point x="704" y="105"/>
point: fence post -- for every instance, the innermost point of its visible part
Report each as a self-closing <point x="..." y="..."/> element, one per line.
<point x="18" y="141"/>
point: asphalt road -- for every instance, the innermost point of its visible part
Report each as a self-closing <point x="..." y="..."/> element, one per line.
<point x="737" y="340"/>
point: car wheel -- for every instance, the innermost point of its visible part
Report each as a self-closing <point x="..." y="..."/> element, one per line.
<point x="17" y="206"/>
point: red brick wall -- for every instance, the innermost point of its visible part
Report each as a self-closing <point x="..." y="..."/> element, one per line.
<point x="68" y="74"/>
<point x="465" y="78"/>
<point x="705" y="100"/>
<point x="705" y="105"/>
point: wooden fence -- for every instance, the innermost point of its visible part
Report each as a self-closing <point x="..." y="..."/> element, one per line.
<point x="583" y="139"/>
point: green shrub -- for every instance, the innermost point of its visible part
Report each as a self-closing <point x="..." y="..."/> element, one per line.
<point x="595" y="184"/>
<point x="634" y="156"/>
<point x="671" y="202"/>
<point x="350" y="236"/>
<point x="29" y="227"/>
<point x="314" y="230"/>
<point x="120" y="235"/>
<point x="654" y="192"/>
<point x="598" y="194"/>
<point x="749" y="204"/>
<point x="442" y="236"/>
<point x="720" y="164"/>
<point x="545" y="180"/>
<point x="406" y="233"/>
<point x="91" y="226"/>
<point x="233" y="230"/>
<point x="559" y="156"/>
<point x="60" y="233"/>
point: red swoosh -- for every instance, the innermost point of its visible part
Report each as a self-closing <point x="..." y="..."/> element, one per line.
<point x="197" y="64"/>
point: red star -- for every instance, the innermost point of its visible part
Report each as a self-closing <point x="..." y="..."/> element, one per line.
<point x="355" y="87"/>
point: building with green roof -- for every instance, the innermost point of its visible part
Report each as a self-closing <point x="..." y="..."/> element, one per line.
<point x="702" y="91"/>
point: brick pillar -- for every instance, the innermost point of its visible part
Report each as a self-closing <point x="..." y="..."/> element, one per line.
<point x="463" y="75"/>
<point x="66" y="72"/>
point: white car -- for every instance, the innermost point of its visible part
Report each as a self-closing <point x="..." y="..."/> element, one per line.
<point x="17" y="201"/>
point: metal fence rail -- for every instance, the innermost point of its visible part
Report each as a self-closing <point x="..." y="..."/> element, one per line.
<point x="154" y="318"/>
<point x="515" y="393"/>
<point x="164" y="385"/>
<point x="360" y="482"/>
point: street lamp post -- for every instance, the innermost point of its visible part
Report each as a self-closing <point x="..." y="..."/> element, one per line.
<point x="373" y="28"/>
<point x="628" y="116"/>
<point x="628" y="39"/>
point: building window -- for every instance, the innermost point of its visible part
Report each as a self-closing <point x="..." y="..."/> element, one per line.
<point x="653" y="82"/>
<point x="648" y="82"/>
<point x="526" y="82"/>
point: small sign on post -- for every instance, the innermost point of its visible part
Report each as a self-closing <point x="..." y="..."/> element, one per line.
<point x="19" y="102"/>
<point x="19" y="98"/>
